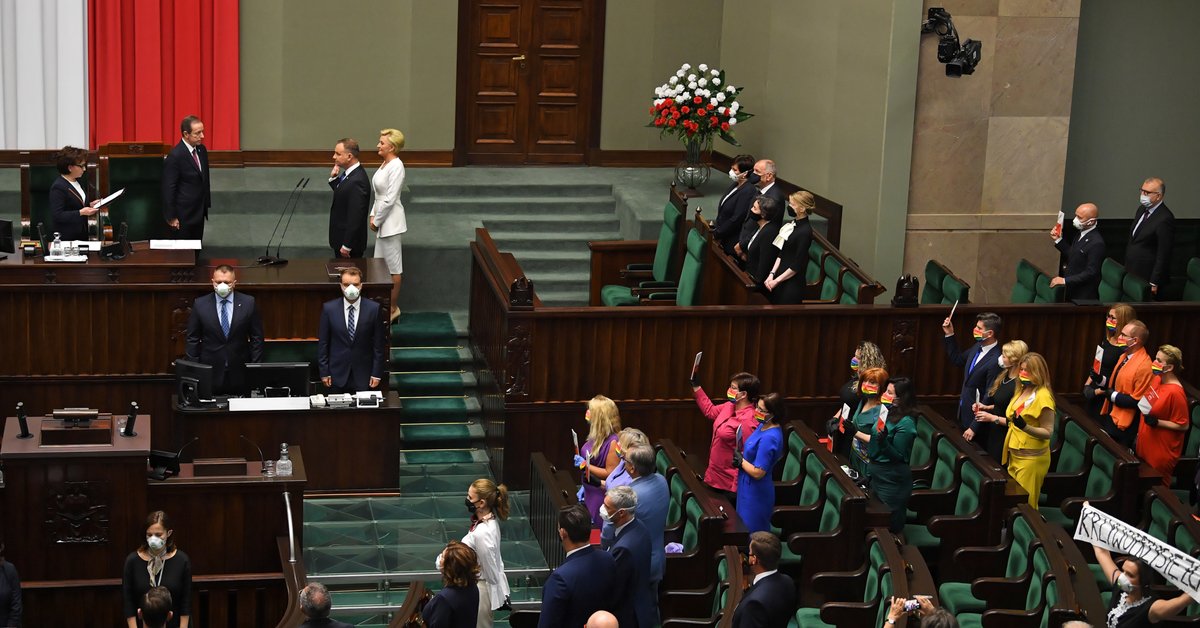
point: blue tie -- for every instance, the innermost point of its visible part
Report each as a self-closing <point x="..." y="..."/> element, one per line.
<point x="350" y="323"/>
<point x="225" y="316"/>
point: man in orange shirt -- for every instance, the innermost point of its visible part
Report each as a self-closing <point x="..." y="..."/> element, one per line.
<point x="1130" y="381"/>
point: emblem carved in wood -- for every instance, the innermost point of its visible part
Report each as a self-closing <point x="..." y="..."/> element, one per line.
<point x="518" y="352"/>
<point x="77" y="512"/>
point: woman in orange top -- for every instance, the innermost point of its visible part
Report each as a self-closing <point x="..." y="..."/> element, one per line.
<point x="1164" y="415"/>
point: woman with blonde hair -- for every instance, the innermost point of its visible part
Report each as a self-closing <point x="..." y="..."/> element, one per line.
<point x="457" y="604"/>
<point x="1030" y="420"/>
<point x="1108" y="351"/>
<point x="786" y="282"/>
<point x="387" y="213"/>
<point x="1001" y="392"/>
<point x="866" y="356"/>
<point x="627" y="439"/>
<point x="1164" y="415"/>
<point x="597" y="458"/>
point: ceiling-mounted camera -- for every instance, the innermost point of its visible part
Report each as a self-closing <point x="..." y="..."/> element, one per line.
<point x="959" y="58"/>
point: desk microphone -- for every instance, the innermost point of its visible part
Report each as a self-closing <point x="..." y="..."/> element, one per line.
<point x="260" y="453"/>
<point x="164" y="464"/>
<point x="22" y="421"/>
<point x="266" y="259"/>
<point x="128" y="431"/>
<point x="292" y="214"/>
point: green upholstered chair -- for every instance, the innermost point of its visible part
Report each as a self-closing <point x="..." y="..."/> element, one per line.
<point x="1112" y="277"/>
<point x="800" y="490"/>
<point x="813" y="274"/>
<point x="877" y="587"/>
<point x="1135" y="289"/>
<point x="1044" y="293"/>
<point x="1036" y="597"/>
<point x="851" y="285"/>
<point x="1069" y="463"/>
<point x="955" y="290"/>
<point x="678" y="489"/>
<point x="688" y="292"/>
<point x="931" y="294"/>
<point x="957" y="597"/>
<point x="35" y="199"/>
<point x="922" y="452"/>
<point x="831" y="283"/>
<point x="831" y="518"/>
<point x="665" y="266"/>
<point x="138" y="168"/>
<point x="1025" y="290"/>
<point x="967" y="502"/>
<point x="1191" y="287"/>
<point x="1099" y="485"/>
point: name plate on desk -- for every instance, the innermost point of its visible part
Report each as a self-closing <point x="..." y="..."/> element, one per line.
<point x="243" y="404"/>
<point x="175" y="245"/>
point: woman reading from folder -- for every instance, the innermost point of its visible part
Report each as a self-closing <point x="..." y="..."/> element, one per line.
<point x="70" y="205"/>
<point x="158" y="563"/>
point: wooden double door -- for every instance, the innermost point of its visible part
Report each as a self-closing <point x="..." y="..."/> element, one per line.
<point x="529" y="75"/>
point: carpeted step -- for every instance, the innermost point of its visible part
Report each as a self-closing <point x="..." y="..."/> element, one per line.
<point x="428" y="358"/>
<point x="434" y="409"/>
<point x="531" y="206"/>
<point x="571" y="298"/>
<point x="548" y="282"/>
<point x="595" y="222"/>
<point x="436" y="383"/>
<point x="465" y="189"/>
<point x="447" y="434"/>
<point x="556" y="261"/>
<point x="424" y="329"/>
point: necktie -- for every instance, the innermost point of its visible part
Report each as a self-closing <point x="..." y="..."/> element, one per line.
<point x="196" y="158"/>
<point x="341" y="177"/>
<point x="225" y="316"/>
<point x="1143" y="215"/>
<point x="350" y="323"/>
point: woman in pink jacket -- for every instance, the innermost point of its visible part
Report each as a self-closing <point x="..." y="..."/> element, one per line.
<point x="726" y="418"/>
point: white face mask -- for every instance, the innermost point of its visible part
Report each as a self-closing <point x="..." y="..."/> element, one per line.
<point x="1145" y="200"/>
<point x="604" y="514"/>
<point x="733" y="174"/>
<point x="223" y="289"/>
<point x="155" y="543"/>
<point x="1079" y="224"/>
<point x="1000" y="361"/>
<point x="1124" y="583"/>
<point x="351" y="293"/>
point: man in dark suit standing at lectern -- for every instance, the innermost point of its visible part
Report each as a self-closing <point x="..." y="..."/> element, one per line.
<point x="351" y="200"/>
<point x="185" y="183"/>
<point x="350" y="346"/>
<point x="1083" y="253"/>
<point x="225" y="331"/>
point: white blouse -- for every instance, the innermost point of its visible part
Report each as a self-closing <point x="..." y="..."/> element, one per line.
<point x="485" y="540"/>
<point x="388" y="211"/>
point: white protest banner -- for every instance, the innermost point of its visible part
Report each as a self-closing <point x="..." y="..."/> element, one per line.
<point x="1178" y="568"/>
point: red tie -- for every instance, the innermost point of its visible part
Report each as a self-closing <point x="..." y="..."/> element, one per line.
<point x="196" y="158"/>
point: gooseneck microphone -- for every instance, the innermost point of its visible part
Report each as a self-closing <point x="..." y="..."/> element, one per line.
<point x="292" y="214"/>
<point x="22" y="421"/>
<point x="130" y="420"/>
<point x="267" y="259"/>
<point x="260" y="452"/>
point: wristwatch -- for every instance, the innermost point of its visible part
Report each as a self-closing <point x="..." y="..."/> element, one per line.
<point x="890" y="621"/>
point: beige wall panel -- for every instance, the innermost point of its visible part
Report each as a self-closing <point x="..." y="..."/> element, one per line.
<point x="1035" y="66"/>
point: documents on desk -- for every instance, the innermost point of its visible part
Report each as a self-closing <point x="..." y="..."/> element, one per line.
<point x="71" y="259"/>
<point x="175" y="245"/>
<point x="244" y="404"/>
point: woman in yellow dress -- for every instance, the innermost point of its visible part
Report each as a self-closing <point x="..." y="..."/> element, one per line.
<point x="1030" y="420"/>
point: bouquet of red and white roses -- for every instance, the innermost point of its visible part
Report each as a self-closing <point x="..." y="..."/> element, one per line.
<point x="697" y="104"/>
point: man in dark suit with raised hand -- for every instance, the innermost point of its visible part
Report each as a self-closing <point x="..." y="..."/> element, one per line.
<point x="1148" y="254"/>
<point x="351" y="200"/>
<point x="185" y="183"/>
<point x="1083" y="253"/>
<point x="225" y="331"/>
<point x="634" y="602"/>
<point x="583" y="584"/>
<point x="982" y="364"/>
<point x="770" y="601"/>
<point x="350" y="345"/>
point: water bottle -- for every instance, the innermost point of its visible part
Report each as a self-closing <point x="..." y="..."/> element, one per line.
<point x="284" y="467"/>
<point x="56" y="247"/>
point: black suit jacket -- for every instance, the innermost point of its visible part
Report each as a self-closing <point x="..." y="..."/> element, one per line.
<point x="976" y="381"/>
<point x="794" y="256"/>
<point x="348" y="213"/>
<point x="351" y="364"/>
<point x="453" y="607"/>
<point x="64" y="210"/>
<point x="1081" y="270"/>
<point x="227" y="356"/>
<point x="761" y="253"/>
<point x="768" y="604"/>
<point x="1148" y="254"/>
<point x="750" y="224"/>
<point x="635" y="603"/>
<point x="731" y="213"/>
<point x="186" y="193"/>
<point x="582" y="585"/>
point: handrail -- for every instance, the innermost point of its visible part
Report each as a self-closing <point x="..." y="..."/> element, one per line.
<point x="295" y="578"/>
<point x="550" y="490"/>
<point x="287" y="505"/>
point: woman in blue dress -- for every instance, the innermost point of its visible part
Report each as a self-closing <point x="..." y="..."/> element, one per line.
<point x="764" y="448"/>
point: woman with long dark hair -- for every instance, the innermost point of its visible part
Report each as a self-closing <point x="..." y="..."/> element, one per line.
<point x="889" y="449"/>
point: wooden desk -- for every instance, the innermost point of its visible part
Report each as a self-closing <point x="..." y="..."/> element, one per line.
<point x="104" y="333"/>
<point x="347" y="448"/>
<point x="229" y="523"/>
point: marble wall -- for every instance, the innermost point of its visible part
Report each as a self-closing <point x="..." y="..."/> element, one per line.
<point x="989" y="150"/>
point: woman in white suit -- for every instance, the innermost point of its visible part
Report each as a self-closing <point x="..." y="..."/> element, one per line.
<point x="387" y="214"/>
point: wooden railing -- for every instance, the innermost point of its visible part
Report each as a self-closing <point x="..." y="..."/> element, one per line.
<point x="550" y="490"/>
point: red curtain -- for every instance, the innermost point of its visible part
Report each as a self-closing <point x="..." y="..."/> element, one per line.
<point x="152" y="62"/>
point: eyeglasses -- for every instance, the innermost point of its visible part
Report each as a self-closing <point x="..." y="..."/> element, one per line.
<point x="80" y="165"/>
<point x="1149" y="192"/>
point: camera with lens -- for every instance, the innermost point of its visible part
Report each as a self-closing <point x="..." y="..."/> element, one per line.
<point x="960" y="58"/>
